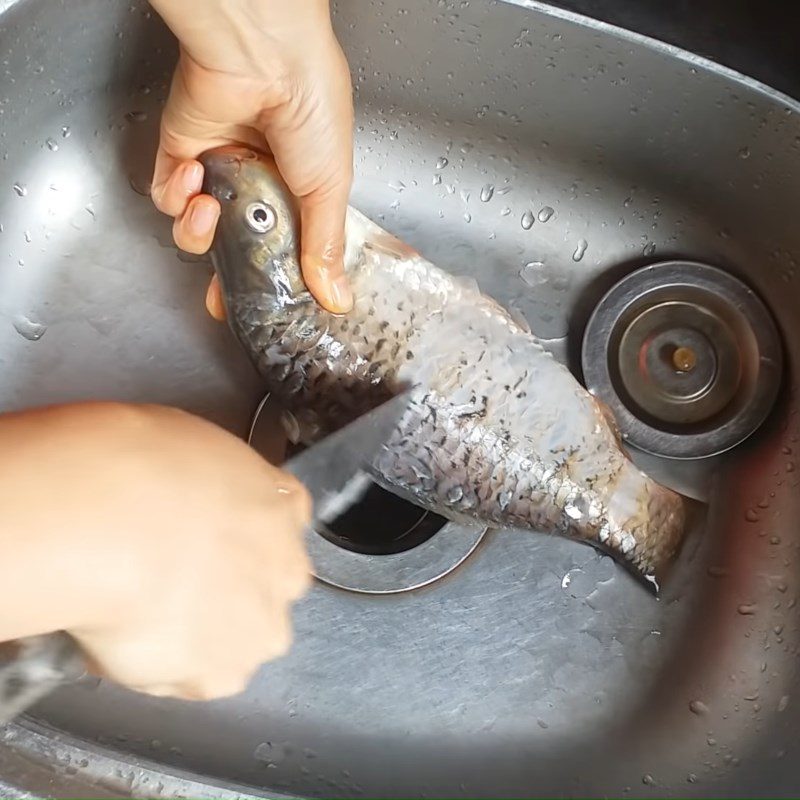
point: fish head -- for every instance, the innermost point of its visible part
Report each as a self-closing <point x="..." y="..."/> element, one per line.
<point x="256" y="245"/>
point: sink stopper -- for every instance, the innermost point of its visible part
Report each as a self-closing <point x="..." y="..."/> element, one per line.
<point x="687" y="358"/>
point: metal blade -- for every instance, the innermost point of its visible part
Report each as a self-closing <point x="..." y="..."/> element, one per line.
<point x="328" y="467"/>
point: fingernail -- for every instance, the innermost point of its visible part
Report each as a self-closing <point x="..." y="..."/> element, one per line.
<point x="341" y="294"/>
<point x="202" y="218"/>
<point x="192" y="178"/>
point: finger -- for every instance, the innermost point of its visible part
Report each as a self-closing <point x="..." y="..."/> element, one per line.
<point x="311" y="138"/>
<point x="172" y="195"/>
<point x="193" y="230"/>
<point x="214" y="302"/>
<point x="322" y="221"/>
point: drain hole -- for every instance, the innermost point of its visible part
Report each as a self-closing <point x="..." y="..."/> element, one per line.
<point x="381" y="524"/>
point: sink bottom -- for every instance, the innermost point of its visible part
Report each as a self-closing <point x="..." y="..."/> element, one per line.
<point x="545" y="158"/>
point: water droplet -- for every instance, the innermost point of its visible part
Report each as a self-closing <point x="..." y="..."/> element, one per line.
<point x="65" y="132"/>
<point x="546" y="214"/>
<point x="698" y="707"/>
<point x="437" y="179"/>
<point x="467" y="216"/>
<point x="141" y="187"/>
<point x="487" y="192"/>
<point x="20" y="189"/>
<point x="648" y="780"/>
<point x="711" y="741"/>
<point x="744" y="152"/>
<point x="505" y="211"/>
<point x="790" y="466"/>
<point x="691" y="777"/>
<point x="747" y="609"/>
<point x="455" y="494"/>
<point x="649" y="249"/>
<point x="263" y="753"/>
<point x="580" y="250"/>
<point x="30" y="330"/>
<point x="783" y="703"/>
<point x="28" y="237"/>
<point x="136" y="116"/>
<point x="398" y="186"/>
<point x="751" y="515"/>
<point x="441" y="162"/>
<point x="774" y="539"/>
<point x="52" y="144"/>
<point x="542" y="724"/>
<point x="533" y="273"/>
<point x="527" y="220"/>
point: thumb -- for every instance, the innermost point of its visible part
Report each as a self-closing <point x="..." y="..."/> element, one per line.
<point x="322" y="222"/>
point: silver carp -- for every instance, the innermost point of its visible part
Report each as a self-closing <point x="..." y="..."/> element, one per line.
<point x="497" y="429"/>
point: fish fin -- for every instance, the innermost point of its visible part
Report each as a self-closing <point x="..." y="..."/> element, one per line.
<point x="362" y="232"/>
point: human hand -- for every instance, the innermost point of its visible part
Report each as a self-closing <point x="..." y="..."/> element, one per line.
<point x="265" y="73"/>
<point x="167" y="547"/>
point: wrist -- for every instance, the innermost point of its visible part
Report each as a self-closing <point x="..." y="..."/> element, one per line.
<point x="241" y="36"/>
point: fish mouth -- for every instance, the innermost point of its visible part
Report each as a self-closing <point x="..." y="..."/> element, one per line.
<point x="222" y="166"/>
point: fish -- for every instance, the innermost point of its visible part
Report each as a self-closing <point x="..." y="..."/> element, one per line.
<point x="496" y="429"/>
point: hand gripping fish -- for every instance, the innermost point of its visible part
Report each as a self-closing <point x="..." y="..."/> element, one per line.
<point x="497" y="430"/>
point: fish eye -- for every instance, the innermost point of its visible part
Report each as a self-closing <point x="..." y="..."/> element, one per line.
<point x="260" y="217"/>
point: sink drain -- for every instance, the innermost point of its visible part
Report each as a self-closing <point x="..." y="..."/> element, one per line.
<point x="687" y="358"/>
<point x="381" y="544"/>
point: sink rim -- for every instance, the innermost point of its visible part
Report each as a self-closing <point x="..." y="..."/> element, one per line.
<point x="74" y="741"/>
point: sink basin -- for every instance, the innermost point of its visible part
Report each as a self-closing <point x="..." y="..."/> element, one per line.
<point x="537" y="667"/>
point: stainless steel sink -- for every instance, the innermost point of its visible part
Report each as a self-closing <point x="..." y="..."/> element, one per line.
<point x="537" y="667"/>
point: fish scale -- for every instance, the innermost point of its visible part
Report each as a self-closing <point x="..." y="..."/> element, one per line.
<point x="496" y="430"/>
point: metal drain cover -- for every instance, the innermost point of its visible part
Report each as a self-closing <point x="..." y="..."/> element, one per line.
<point x="687" y="358"/>
<point x="434" y="547"/>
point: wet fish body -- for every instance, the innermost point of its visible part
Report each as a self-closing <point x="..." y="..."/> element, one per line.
<point x="497" y="429"/>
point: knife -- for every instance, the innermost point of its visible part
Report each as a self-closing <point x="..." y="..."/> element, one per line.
<point x="32" y="667"/>
<point x="335" y="469"/>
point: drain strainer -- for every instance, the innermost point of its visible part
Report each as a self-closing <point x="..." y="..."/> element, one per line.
<point x="379" y="545"/>
<point x="687" y="358"/>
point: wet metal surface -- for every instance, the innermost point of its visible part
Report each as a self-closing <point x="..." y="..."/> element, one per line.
<point x="546" y="159"/>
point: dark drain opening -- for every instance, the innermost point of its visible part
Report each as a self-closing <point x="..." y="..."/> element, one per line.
<point x="381" y="524"/>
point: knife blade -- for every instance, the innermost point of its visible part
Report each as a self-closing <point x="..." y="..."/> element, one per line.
<point x="335" y="469"/>
<point x="32" y="667"/>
